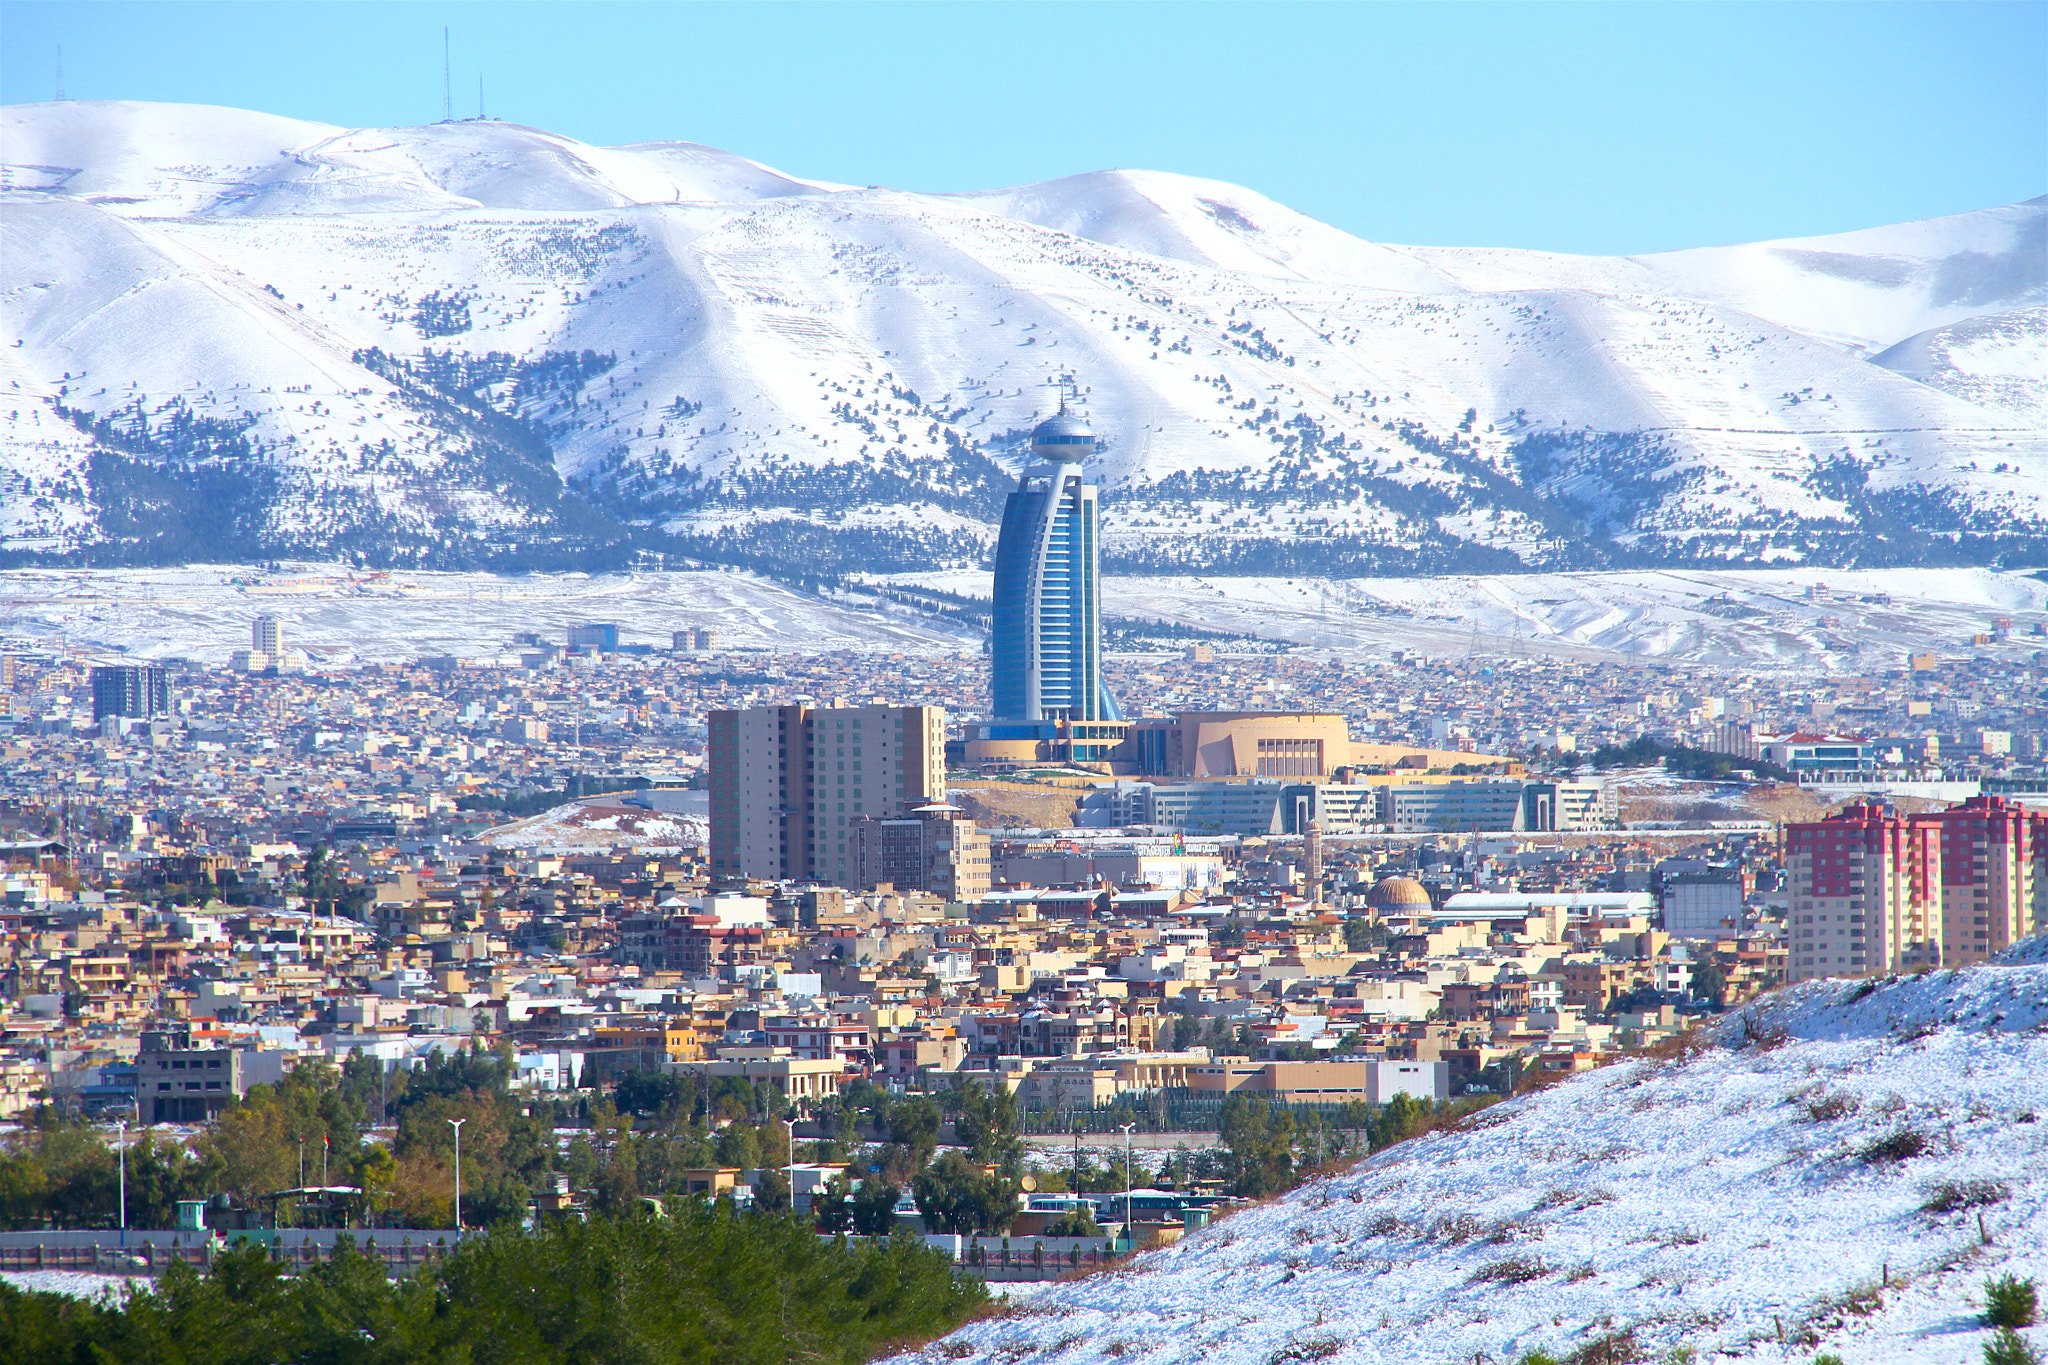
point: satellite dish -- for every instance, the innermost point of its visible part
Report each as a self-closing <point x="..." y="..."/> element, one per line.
<point x="1029" y="1184"/>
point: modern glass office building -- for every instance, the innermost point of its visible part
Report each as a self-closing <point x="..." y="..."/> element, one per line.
<point x="1047" y="623"/>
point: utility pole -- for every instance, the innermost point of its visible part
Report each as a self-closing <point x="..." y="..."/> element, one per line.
<point x="456" y="1124"/>
<point x="124" y="1182"/>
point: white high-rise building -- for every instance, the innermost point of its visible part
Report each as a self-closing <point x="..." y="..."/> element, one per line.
<point x="788" y="782"/>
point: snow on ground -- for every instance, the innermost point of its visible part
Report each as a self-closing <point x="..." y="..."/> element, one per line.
<point x="774" y="328"/>
<point x="1759" y="619"/>
<point x="601" y="823"/>
<point x="78" y="1284"/>
<point x="339" y="615"/>
<point x="1745" y="618"/>
<point x="1709" y="1203"/>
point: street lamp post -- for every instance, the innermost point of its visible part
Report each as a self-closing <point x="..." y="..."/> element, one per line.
<point x="124" y="1182"/>
<point x="456" y="1124"/>
<point x="1129" y="1237"/>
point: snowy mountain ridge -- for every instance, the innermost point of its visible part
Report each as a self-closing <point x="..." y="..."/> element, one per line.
<point x="1811" y="1180"/>
<point x="475" y="344"/>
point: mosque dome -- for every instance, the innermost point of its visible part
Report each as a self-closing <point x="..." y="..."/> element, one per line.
<point x="1400" y="895"/>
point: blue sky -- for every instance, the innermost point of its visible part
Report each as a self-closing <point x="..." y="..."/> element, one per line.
<point x="1602" y="128"/>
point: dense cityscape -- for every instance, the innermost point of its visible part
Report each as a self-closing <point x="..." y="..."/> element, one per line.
<point x="613" y="753"/>
<point x="1192" y="891"/>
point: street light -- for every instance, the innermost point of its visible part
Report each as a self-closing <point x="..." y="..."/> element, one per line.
<point x="456" y="1124"/>
<point x="1128" y="1237"/>
<point x="124" y="1182"/>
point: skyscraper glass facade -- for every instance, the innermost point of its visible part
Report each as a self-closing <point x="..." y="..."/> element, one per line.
<point x="1046" y="641"/>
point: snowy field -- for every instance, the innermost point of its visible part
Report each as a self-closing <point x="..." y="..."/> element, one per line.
<point x="78" y="1284"/>
<point x="1712" y="1204"/>
<point x="339" y="615"/>
<point x="1758" y="619"/>
<point x="1761" y="619"/>
<point x="600" y="824"/>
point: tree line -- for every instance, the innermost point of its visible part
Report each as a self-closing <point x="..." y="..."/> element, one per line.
<point x="706" y="1285"/>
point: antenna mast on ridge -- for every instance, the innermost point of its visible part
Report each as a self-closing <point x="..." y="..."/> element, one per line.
<point x="479" y="97"/>
<point x="60" y="73"/>
<point x="1069" y="391"/>
<point x="447" y="84"/>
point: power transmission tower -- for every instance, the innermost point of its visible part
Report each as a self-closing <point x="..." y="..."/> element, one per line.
<point x="447" y="81"/>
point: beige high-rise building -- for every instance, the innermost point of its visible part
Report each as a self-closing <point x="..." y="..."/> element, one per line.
<point x="788" y="782"/>
<point x="933" y="848"/>
<point x="266" y="637"/>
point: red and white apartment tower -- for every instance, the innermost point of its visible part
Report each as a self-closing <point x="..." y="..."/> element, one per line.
<point x="1874" y="891"/>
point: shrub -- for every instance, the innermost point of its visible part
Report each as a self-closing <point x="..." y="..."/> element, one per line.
<point x="1947" y="1196"/>
<point x="2009" y="1302"/>
<point x="2008" y="1347"/>
<point x="1901" y="1144"/>
<point x="1616" y="1348"/>
<point x="1512" y="1270"/>
<point x="1829" y="1359"/>
<point x="1538" y="1358"/>
<point x="1455" y="1230"/>
<point x="1384" y="1224"/>
<point x="1827" y="1108"/>
<point x="1317" y="1348"/>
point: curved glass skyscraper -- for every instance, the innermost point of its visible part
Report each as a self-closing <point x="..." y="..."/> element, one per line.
<point x="1046" y="643"/>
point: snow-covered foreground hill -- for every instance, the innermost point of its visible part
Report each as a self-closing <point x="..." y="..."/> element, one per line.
<point x="236" y="335"/>
<point x="1721" y="1202"/>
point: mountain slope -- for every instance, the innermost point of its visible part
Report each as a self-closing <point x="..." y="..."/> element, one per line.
<point x="1711" y="1203"/>
<point x="1999" y="362"/>
<point x="434" y="344"/>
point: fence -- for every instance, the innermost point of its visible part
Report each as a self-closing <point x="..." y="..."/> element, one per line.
<point x="102" y="1253"/>
<point x="1178" y="1110"/>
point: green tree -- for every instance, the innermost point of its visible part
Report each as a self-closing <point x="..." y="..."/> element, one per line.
<point x="988" y="1126"/>
<point x="914" y="1123"/>
<point x="955" y="1195"/>
<point x="832" y="1209"/>
<point x="705" y="1285"/>
<point x="1259" y="1138"/>
<point x="874" y="1206"/>
<point x="1078" y="1221"/>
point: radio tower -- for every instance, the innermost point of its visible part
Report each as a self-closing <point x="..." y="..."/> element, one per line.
<point x="447" y="84"/>
<point x="60" y="73"/>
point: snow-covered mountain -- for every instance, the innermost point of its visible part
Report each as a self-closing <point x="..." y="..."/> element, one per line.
<point x="1812" y="1184"/>
<point x="231" y="334"/>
